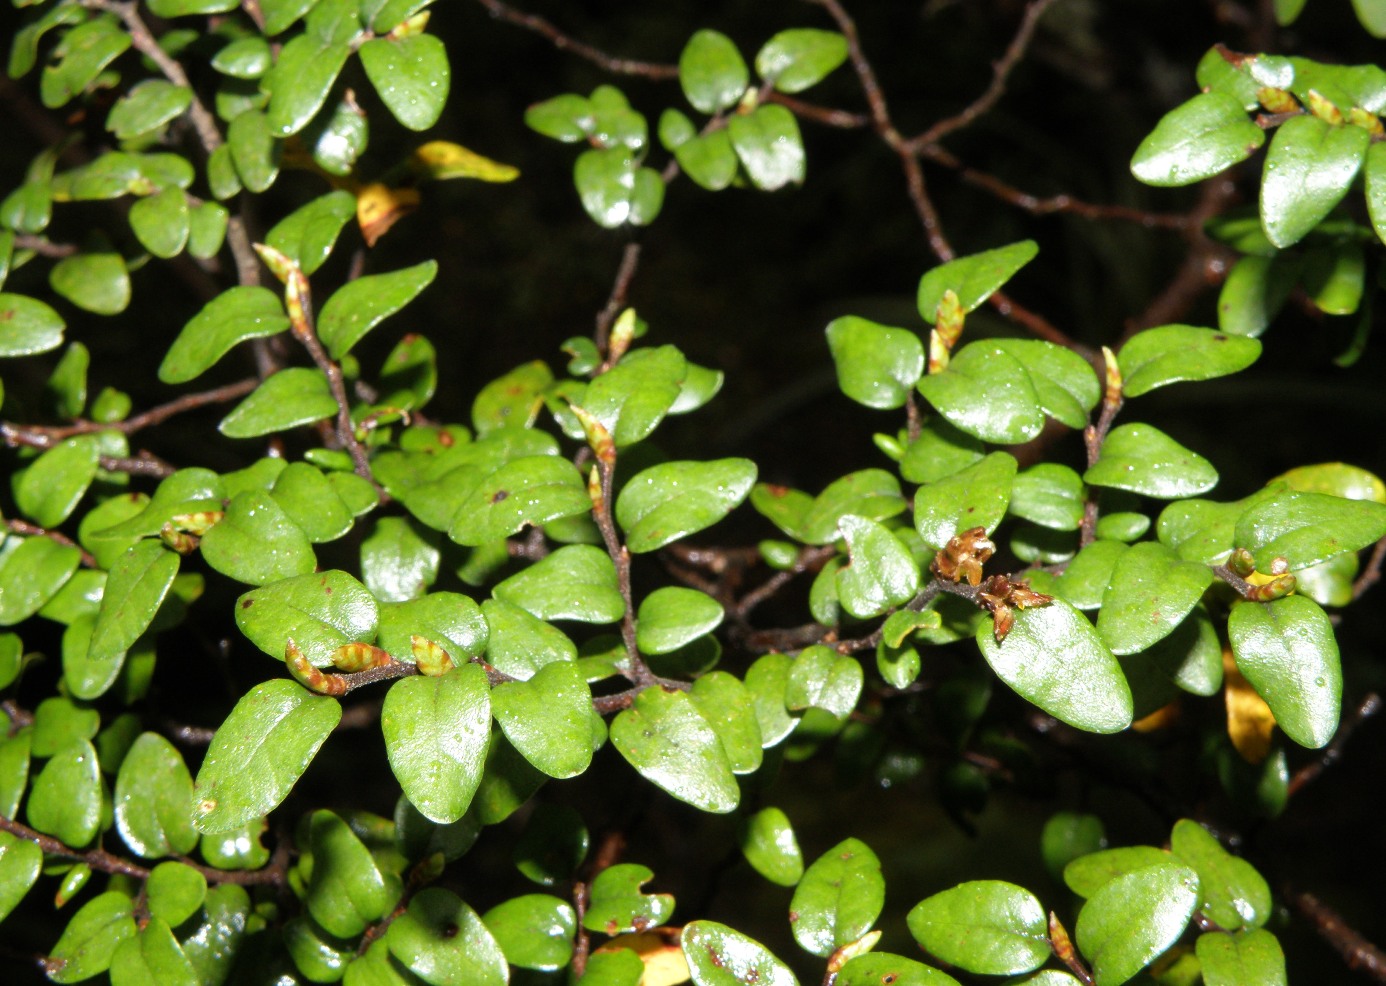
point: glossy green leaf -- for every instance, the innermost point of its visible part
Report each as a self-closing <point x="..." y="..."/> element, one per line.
<point x="529" y="491"/>
<point x="318" y="955"/>
<point x="721" y="956"/>
<point x="770" y="846"/>
<point x="175" y="892"/>
<point x="709" y="159"/>
<point x="553" y="845"/>
<point x="634" y="396"/>
<point x="51" y="487"/>
<point x="985" y="926"/>
<point x="256" y="542"/>
<point x="712" y="72"/>
<point x="1134" y="918"/>
<point x="445" y="943"/>
<point x="767" y="680"/>
<point x="874" y="968"/>
<point x="768" y="143"/>
<point x="798" y="58"/>
<point x="973" y="278"/>
<point x="254" y="151"/>
<point x="436" y="735"/>
<point x="259" y="752"/>
<point x="59" y="721"/>
<point x="975" y="497"/>
<point x="880" y="574"/>
<point x="153" y="799"/>
<point x="1142" y="459"/>
<point x="1235" y="960"/>
<point x="184" y="8"/>
<point x="820" y="678"/>
<point x="214" y="944"/>
<point x="729" y="708"/>
<point x="1334" y="277"/>
<point x="613" y="967"/>
<point x="346" y="891"/>
<point x="79" y="58"/>
<point x="615" y="189"/>
<point x="838" y="899"/>
<point x="1053" y="657"/>
<point x="1337" y="479"/>
<point x="669" y="501"/>
<point x="876" y="365"/>
<point x="146" y="107"/>
<point x="289" y="398"/>
<point x="1174" y="353"/>
<point x="535" y="931"/>
<point x="14" y="772"/>
<point x="520" y="644"/>
<point x="1254" y="292"/>
<point x="1287" y="650"/>
<point x="672" y="616"/>
<point x="1149" y="594"/>
<point x="207" y="225"/>
<point x="307" y="235"/>
<point x="616" y="903"/>
<point x="1050" y="495"/>
<point x="870" y="493"/>
<point x="1309" y="168"/>
<point x="152" y="956"/>
<point x="986" y="392"/>
<point x="301" y="79"/>
<point x="1374" y="177"/>
<point x="1065" y="383"/>
<point x="1089" y="874"/>
<point x="576" y="582"/>
<point x="1231" y="893"/>
<point x="411" y="75"/>
<point x="512" y="400"/>
<point x="1306" y="528"/>
<point x="310" y="500"/>
<point x="338" y="138"/>
<point x="1196" y="140"/>
<point x="162" y="222"/>
<point x="360" y="305"/>
<point x="237" y="848"/>
<point x="244" y="58"/>
<point x="319" y="611"/>
<point x="92" y="937"/>
<point x="409" y="375"/>
<point x="96" y="282"/>
<point x="233" y="316"/>
<point x="134" y="590"/>
<point x="65" y="800"/>
<point x="31" y="326"/>
<point x="20" y="861"/>
<point x="939" y="451"/>
<point x="548" y="718"/>
<point x="667" y="740"/>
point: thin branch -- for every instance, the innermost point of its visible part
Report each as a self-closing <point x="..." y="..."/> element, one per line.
<point x="44" y="247"/>
<point x="866" y="75"/>
<point x="97" y="859"/>
<point x="616" y="301"/>
<point x="1000" y="72"/>
<point x="565" y="42"/>
<point x="824" y="115"/>
<point x="26" y="529"/>
<point x="1356" y="950"/>
<point x="141" y="463"/>
<point x="809" y="559"/>
<point x="1372" y="573"/>
<point x="1311" y="771"/>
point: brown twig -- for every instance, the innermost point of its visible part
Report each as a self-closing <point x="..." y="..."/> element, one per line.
<point x="1331" y="754"/>
<point x="1356" y="950"/>
<point x="565" y="42"/>
<point x="824" y="115"/>
<point x="616" y="301"/>
<point x="1372" y="573"/>
<point x="44" y="247"/>
<point x="26" y="529"/>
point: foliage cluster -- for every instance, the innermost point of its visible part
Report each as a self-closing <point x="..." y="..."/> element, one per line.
<point x="528" y="613"/>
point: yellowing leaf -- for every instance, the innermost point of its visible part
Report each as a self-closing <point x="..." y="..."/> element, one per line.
<point x="661" y="953"/>
<point x="378" y="207"/>
<point x="1249" y="719"/>
<point x="441" y="159"/>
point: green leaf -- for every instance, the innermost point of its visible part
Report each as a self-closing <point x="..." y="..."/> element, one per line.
<point x="51" y="487"/>
<point x="292" y="397"/>
<point x="613" y="967"/>
<point x="302" y="77"/>
<point x="974" y="278"/>
<point x="95" y="281"/>
<point x="175" y="892"/>
<point x="712" y="72"/>
<point x="881" y="572"/>
<point x="319" y="956"/>
<point x="1174" y="353"/>
<point x="346" y="891"/>
<point x="870" y="493"/>
<point x="615" y="190"/>
<point x="339" y="138"/>
<point x="632" y="398"/>
<point x="213" y="945"/>
<point x="709" y="159"/>
<point x="31" y="326"/>
<point x="20" y="861"/>
<point x="939" y="451"/>
<point x="767" y="680"/>
<point x="59" y="721"/>
<point x="449" y="619"/>
<point x="721" y="956"/>
<point x="1089" y="874"/>
<point x="319" y="611"/>
<point x="65" y="800"/>
<point x="1374" y="177"/>
<point x="1143" y="459"/>
<point x="1150" y="592"/>
<point x="838" y="899"/>
<point x="14" y="772"/>
<point x="798" y="58"/>
<point x="672" y="616"/>
<point x="975" y="497"/>
<point x="1309" y="168"/>
<point x="820" y="678"/>
<point x="1065" y="384"/>
<point x="256" y="542"/>
<point x="135" y="589"/>
<point x="768" y="143"/>
<point x="1336" y="478"/>
<point x="244" y="58"/>
<point x="986" y="392"/>
<point x="667" y="740"/>
<point x="92" y="937"/>
<point x="79" y="58"/>
<point x="1196" y="140"/>
<point x="233" y="316"/>
<point x="1234" y="960"/>
<point x="548" y="718"/>
<point x="874" y="968"/>
<point x="1231" y="893"/>
<point x="985" y="926"/>
<point x="310" y="500"/>
<point x="512" y="400"/>
<point x="1307" y="528"/>
<point x="307" y="235"/>
<point x="553" y="845"/>
<point x="770" y="846"/>
<point x="254" y="151"/>
<point x="670" y="501"/>
<point x="576" y="582"/>
<point x="1287" y="650"/>
<point x="1134" y="918"/>
<point x="153" y="799"/>
<point x="1334" y="277"/>
<point x="411" y="75"/>
<point x="152" y="956"/>
<point x="730" y="709"/>
<point x="616" y="904"/>
<point x="147" y="107"/>
<point x="436" y="736"/>
<point x="237" y="848"/>
<point x="259" y="752"/>
<point x="162" y="222"/>
<point x="568" y="118"/>
<point x="184" y="8"/>
<point x="1254" y="292"/>
<point x="1067" y="836"/>
<point x="1053" y="657"/>
<point x="876" y="365"/>
<point x="409" y="375"/>
<point x="360" y="305"/>
<point x="443" y="941"/>
<point x="535" y="931"/>
<point x="532" y="490"/>
<point x="1050" y="495"/>
<point x="520" y="644"/>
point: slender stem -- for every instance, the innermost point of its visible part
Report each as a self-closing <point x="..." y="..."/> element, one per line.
<point x="1311" y="771"/>
<point x="1347" y="941"/>
<point x="26" y="529"/>
<point x="616" y="301"/>
<point x="566" y="42"/>
<point x="1372" y="573"/>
